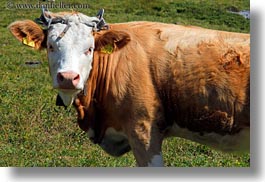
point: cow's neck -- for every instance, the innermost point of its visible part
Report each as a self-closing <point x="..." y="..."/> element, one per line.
<point x="97" y="85"/>
<point x="96" y="90"/>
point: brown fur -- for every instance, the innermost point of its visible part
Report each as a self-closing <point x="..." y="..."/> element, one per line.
<point x="161" y="74"/>
<point x="202" y="85"/>
<point x="211" y="68"/>
<point x="29" y="29"/>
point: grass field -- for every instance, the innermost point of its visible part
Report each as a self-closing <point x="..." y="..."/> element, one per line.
<point x="34" y="132"/>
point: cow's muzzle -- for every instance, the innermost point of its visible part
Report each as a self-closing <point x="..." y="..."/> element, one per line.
<point x="68" y="80"/>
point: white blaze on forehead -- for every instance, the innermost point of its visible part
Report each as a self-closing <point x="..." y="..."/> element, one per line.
<point x="70" y="52"/>
<point x="156" y="161"/>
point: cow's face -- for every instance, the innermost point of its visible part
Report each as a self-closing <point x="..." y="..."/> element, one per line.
<point x="70" y="57"/>
<point x="70" y="44"/>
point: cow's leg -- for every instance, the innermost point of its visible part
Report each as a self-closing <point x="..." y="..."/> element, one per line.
<point x="146" y="143"/>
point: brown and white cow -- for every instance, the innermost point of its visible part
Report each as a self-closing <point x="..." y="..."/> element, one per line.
<point x="133" y="84"/>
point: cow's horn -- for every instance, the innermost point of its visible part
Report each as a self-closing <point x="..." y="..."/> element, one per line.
<point x="100" y="13"/>
<point x="102" y="23"/>
<point x="44" y="19"/>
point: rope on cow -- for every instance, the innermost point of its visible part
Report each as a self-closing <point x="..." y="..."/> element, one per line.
<point x="97" y="25"/>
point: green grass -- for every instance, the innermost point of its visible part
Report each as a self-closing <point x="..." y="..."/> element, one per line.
<point x="34" y="132"/>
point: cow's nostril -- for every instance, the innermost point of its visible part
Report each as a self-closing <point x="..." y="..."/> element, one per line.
<point x="77" y="77"/>
<point x="60" y="77"/>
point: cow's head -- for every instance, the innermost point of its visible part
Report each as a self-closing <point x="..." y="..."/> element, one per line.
<point x="70" y="44"/>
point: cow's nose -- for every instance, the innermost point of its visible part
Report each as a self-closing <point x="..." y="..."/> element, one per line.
<point x="68" y="80"/>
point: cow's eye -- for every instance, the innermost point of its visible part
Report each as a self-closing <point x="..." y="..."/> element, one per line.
<point x="50" y="48"/>
<point x="89" y="51"/>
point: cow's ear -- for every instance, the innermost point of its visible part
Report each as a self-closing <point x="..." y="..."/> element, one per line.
<point x="111" y="40"/>
<point x="29" y="33"/>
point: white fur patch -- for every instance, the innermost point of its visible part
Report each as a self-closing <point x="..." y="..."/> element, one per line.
<point x="69" y="54"/>
<point x="239" y="142"/>
<point x="68" y="96"/>
<point x="156" y="161"/>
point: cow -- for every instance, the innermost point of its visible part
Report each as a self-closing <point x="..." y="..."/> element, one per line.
<point x="133" y="84"/>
